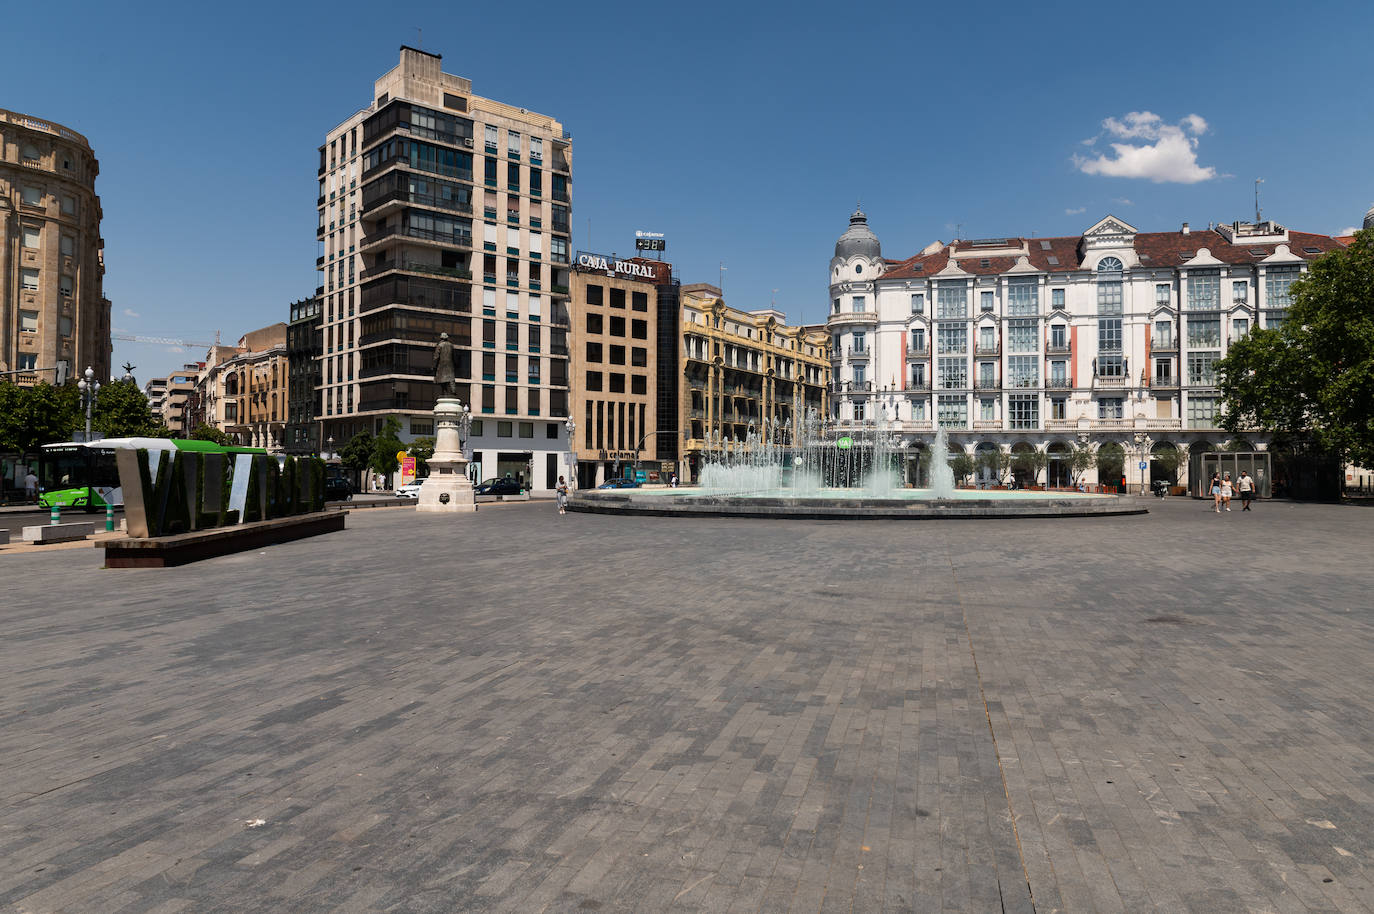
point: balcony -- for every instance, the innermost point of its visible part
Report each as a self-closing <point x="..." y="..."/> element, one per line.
<point x="1057" y="383"/>
<point x="1023" y="383"/>
<point x="986" y="384"/>
<point x="1164" y="344"/>
<point x="397" y="198"/>
<point x="857" y="355"/>
<point x="841" y="318"/>
<point x="984" y="350"/>
<point x="918" y="386"/>
<point x="414" y="266"/>
<point x="410" y="233"/>
<point x="1109" y="381"/>
<point x="987" y="423"/>
<point x="1058" y="349"/>
<point x="1163" y="381"/>
<point x="918" y="355"/>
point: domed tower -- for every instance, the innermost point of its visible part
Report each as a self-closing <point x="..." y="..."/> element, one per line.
<point x="1368" y="222"/>
<point x="853" y="319"/>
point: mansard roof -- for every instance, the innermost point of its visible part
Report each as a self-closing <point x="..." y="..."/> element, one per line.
<point x="1156" y="250"/>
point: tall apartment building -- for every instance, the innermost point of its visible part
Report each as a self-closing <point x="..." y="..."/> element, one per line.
<point x="52" y="307"/>
<point x="413" y="243"/>
<point x="156" y="392"/>
<point x="616" y="310"/>
<point x="243" y="390"/>
<point x="742" y="368"/>
<point x="303" y="351"/>
<point x="1105" y="339"/>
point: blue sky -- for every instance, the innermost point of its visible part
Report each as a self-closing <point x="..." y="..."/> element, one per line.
<point x="744" y="132"/>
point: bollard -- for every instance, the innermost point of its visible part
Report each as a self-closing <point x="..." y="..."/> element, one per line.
<point x="109" y="518"/>
<point x="55" y="516"/>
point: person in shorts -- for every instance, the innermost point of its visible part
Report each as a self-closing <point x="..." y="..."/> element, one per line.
<point x="561" y="494"/>
<point x="1214" y="489"/>
<point x="1226" y="491"/>
<point x="1246" y="484"/>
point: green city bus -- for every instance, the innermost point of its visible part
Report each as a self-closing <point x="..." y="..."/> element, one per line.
<point x="77" y="474"/>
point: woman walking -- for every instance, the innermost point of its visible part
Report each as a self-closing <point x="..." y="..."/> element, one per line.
<point x="1214" y="487"/>
<point x="561" y="494"/>
<point x="1226" y="492"/>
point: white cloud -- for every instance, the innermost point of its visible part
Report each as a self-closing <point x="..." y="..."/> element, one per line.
<point x="1349" y="230"/>
<point x="1123" y="201"/>
<point x="1167" y="153"/>
<point x="129" y="312"/>
<point x="175" y="349"/>
<point x="1075" y="212"/>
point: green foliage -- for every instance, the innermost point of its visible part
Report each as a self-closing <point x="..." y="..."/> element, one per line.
<point x="121" y="411"/>
<point x="1032" y="462"/>
<point x="357" y="453"/>
<point x="1167" y="459"/>
<point x="422" y="449"/>
<point x="995" y="462"/>
<point x="210" y="433"/>
<point x="1310" y="383"/>
<point x="33" y="416"/>
<point x="386" y="446"/>
<point x="1081" y="459"/>
<point x="961" y="465"/>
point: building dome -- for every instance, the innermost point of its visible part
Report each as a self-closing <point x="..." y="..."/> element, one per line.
<point x="1369" y="218"/>
<point x="858" y="240"/>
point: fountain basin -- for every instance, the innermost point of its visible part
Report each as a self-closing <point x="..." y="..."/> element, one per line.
<point x="852" y="504"/>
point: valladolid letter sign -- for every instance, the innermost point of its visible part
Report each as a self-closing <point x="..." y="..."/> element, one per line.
<point x="171" y="492"/>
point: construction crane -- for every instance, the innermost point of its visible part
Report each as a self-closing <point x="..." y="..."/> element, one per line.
<point x="165" y="341"/>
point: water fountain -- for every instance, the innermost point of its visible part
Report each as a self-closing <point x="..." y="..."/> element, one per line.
<point x="808" y="469"/>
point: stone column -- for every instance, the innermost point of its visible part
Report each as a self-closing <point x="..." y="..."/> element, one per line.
<point x="448" y="489"/>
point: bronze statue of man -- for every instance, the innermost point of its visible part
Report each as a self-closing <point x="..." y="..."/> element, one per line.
<point x="443" y="368"/>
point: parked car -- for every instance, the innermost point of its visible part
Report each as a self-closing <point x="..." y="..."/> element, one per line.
<point x="619" y="484"/>
<point x="336" y="488"/>
<point x="503" y="486"/>
<point x="410" y="489"/>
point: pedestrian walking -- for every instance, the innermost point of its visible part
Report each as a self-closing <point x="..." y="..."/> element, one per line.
<point x="1246" y="484"/>
<point x="1226" y="490"/>
<point x="561" y="494"/>
<point x="1214" y="487"/>
<point x="31" y="487"/>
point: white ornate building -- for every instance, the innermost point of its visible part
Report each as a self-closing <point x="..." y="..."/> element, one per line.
<point x="1021" y="344"/>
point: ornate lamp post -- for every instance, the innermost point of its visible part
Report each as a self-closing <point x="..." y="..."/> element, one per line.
<point x="89" y="387"/>
<point x="571" y="426"/>
<point x="1143" y="444"/>
<point x="330" y="442"/>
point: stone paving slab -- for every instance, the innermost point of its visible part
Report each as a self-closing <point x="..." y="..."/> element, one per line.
<point x="517" y="711"/>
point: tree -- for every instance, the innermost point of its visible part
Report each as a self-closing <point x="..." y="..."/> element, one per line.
<point x="34" y="416"/>
<point x="960" y="464"/>
<point x="357" y="452"/>
<point x="386" y="446"/>
<point x="1032" y="461"/>
<point x="995" y="461"/>
<point x="211" y="433"/>
<point x="1081" y="459"/>
<point x="422" y="449"/>
<point x="122" y="411"/>
<point x="1310" y="383"/>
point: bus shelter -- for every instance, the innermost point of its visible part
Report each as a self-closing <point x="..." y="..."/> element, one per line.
<point x="1201" y="466"/>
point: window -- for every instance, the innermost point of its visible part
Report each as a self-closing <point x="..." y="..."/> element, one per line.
<point x="593" y="352"/>
<point x="595" y="295"/>
<point x="616" y="382"/>
<point x="1240" y="328"/>
<point x="1059" y="407"/>
<point x="1204" y="290"/>
<point x="860" y="339"/>
<point x="1162" y="296"/>
<point x="32" y="196"/>
<point x="536" y="150"/>
<point x="1057" y="298"/>
<point x="504" y="429"/>
<point x="65" y="326"/>
<point x="986" y="301"/>
<point x="593" y="380"/>
<point x="617" y="298"/>
<point x="1023" y="335"/>
<point x="860" y="303"/>
<point x="32" y="234"/>
<point x="860" y="375"/>
<point x="558" y="249"/>
<point x="986" y="376"/>
<point x="639" y="356"/>
<point x="1111" y="365"/>
<point x="987" y="410"/>
<point x="1109" y="265"/>
<point x="1200" y="370"/>
<point x="1059" y="336"/>
<point x="28" y="321"/>
<point x="639" y="301"/>
<point x="1164" y="335"/>
<point x="987" y="338"/>
<point x="617" y="325"/>
<point x="639" y="329"/>
<point x="1023" y="410"/>
<point x="951" y="338"/>
<point x="918" y="375"/>
<point x="512" y="304"/>
<point x="952" y="299"/>
<point x="594" y="323"/>
<point x="1278" y="283"/>
<point x="68" y="246"/>
<point x="1109" y="408"/>
<point x="1109" y="298"/>
<point x="512" y="145"/>
<point x="68" y="205"/>
<point x="859" y="411"/>
<point x="526" y="429"/>
<point x="952" y="412"/>
<point x="953" y="373"/>
<point x="639" y="384"/>
<point x="27" y="361"/>
<point x="1202" y="412"/>
<point x="835" y="307"/>
<point x="1204" y="332"/>
<point x="1240" y="291"/>
<point x="1023" y="296"/>
<point x="1059" y="376"/>
<point x="918" y="303"/>
<point x="1023" y="371"/>
<point x="1109" y="334"/>
<point x="28" y="279"/>
<point x="492" y="135"/>
<point x="64" y="285"/>
<point x="918" y="339"/>
<point x="617" y="355"/>
<point x="30" y="152"/>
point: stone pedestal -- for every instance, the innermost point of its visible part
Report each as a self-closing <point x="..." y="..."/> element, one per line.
<point x="448" y="488"/>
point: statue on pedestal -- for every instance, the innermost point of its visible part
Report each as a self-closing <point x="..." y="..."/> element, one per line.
<point x="444" y="377"/>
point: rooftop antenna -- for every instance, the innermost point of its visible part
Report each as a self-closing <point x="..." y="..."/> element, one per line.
<point x="773" y="300"/>
<point x="721" y="286"/>
<point x="419" y="38"/>
<point x="1258" y="212"/>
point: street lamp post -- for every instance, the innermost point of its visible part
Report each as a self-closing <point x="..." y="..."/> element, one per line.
<point x="89" y="387"/>
<point x="571" y="426"/>
<point x="1143" y="443"/>
<point x="330" y="453"/>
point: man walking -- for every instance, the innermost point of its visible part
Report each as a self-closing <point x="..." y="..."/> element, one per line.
<point x="31" y="487"/>
<point x="1247" y="490"/>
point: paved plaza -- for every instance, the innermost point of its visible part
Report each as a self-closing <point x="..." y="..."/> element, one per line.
<point x="516" y="711"/>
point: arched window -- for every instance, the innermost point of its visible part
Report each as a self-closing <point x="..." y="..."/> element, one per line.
<point x="30" y="152"/>
<point x="1109" y="265"/>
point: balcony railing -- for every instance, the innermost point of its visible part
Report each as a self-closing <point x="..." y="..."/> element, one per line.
<point x="1110" y="380"/>
<point x="461" y="239"/>
<point x="414" y="266"/>
<point x="922" y="385"/>
<point x="1164" y="381"/>
<point x="1058" y="349"/>
<point x="405" y="196"/>
<point x="986" y="384"/>
<point x="917" y="355"/>
<point x="986" y="350"/>
<point x="1059" y="383"/>
<point x="1163" y="343"/>
<point x="857" y="355"/>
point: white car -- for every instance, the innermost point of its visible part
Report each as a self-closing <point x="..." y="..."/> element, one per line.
<point x="410" y="489"/>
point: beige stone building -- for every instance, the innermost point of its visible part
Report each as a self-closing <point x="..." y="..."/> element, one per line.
<point x="52" y="308"/>
<point x="243" y="389"/>
<point x="180" y="389"/>
<point x="615" y="309"/>
<point x="413" y="243"/>
<point x="740" y="368"/>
